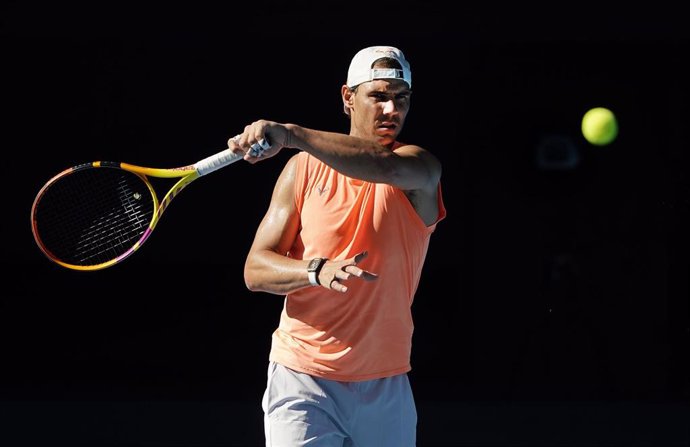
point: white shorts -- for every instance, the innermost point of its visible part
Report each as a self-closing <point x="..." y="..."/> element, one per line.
<point x="303" y="410"/>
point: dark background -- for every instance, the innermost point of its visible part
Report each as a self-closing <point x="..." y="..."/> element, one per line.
<point x="553" y="309"/>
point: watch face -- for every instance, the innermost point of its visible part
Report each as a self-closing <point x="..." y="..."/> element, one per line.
<point x="314" y="264"/>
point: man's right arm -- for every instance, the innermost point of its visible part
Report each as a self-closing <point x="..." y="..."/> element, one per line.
<point x="409" y="168"/>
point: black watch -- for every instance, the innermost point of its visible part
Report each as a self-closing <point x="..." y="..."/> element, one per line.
<point x="313" y="270"/>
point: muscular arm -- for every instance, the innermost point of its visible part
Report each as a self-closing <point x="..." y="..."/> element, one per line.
<point x="268" y="268"/>
<point x="410" y="168"/>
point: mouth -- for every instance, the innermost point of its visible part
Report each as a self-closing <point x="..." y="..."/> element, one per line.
<point x="387" y="127"/>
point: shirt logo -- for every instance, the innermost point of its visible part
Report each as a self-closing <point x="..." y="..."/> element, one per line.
<point x="322" y="189"/>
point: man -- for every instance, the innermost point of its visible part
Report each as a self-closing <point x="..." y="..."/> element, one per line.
<point x="344" y="239"/>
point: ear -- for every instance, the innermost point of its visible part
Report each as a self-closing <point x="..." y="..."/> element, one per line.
<point x="348" y="96"/>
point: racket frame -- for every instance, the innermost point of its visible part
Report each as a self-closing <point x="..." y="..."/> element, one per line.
<point x="186" y="174"/>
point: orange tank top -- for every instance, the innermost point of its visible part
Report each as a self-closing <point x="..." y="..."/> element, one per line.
<point x="365" y="333"/>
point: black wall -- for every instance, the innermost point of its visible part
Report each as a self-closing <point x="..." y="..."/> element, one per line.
<point x="541" y="285"/>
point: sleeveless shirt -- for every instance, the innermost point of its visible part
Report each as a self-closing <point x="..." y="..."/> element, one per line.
<point x="365" y="333"/>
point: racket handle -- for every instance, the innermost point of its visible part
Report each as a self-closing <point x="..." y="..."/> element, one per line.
<point x="226" y="157"/>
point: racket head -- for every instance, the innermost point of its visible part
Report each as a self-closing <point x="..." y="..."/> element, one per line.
<point x="93" y="216"/>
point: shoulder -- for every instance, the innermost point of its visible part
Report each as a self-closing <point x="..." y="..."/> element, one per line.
<point x="431" y="162"/>
<point x="293" y="162"/>
<point x="294" y="170"/>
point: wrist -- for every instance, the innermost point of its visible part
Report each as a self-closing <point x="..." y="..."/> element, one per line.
<point x="290" y="136"/>
<point x="313" y="269"/>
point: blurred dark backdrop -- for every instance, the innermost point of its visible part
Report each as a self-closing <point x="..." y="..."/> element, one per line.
<point x="553" y="308"/>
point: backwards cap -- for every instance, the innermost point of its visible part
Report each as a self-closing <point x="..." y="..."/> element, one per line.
<point x="360" y="68"/>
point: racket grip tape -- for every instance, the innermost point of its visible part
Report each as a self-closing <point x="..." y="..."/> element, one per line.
<point x="226" y="157"/>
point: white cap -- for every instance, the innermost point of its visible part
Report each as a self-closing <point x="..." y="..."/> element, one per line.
<point x="360" y="68"/>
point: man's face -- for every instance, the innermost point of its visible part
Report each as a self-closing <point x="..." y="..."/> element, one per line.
<point x="379" y="109"/>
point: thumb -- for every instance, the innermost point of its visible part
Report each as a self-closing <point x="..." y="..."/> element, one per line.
<point x="361" y="256"/>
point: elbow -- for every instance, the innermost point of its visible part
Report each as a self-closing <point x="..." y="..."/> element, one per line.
<point x="251" y="279"/>
<point x="251" y="284"/>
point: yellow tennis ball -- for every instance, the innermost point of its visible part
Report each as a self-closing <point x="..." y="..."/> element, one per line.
<point x="599" y="126"/>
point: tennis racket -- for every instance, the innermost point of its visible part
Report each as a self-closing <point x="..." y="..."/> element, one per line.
<point x="95" y="215"/>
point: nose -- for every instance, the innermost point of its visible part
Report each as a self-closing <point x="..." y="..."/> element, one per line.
<point x="389" y="107"/>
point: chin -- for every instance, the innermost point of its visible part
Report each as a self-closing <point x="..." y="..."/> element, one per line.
<point x="385" y="139"/>
<point x="387" y="135"/>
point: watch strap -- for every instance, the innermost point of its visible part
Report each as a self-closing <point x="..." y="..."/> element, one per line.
<point x="314" y="278"/>
<point x="313" y="270"/>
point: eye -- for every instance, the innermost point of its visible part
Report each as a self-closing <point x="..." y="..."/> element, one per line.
<point x="379" y="96"/>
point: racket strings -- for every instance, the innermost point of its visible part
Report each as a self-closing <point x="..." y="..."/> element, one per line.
<point x="94" y="215"/>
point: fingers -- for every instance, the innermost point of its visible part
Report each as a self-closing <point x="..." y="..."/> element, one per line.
<point x="360" y="257"/>
<point x="338" y="287"/>
<point x="343" y="271"/>
<point x="353" y="270"/>
<point x="252" y="151"/>
<point x="359" y="272"/>
<point x="238" y="145"/>
<point x="234" y="144"/>
<point x="260" y="139"/>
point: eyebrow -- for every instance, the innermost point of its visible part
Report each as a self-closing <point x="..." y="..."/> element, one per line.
<point x="404" y="91"/>
<point x="388" y="89"/>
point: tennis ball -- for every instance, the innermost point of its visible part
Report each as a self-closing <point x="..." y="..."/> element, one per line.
<point x="599" y="126"/>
